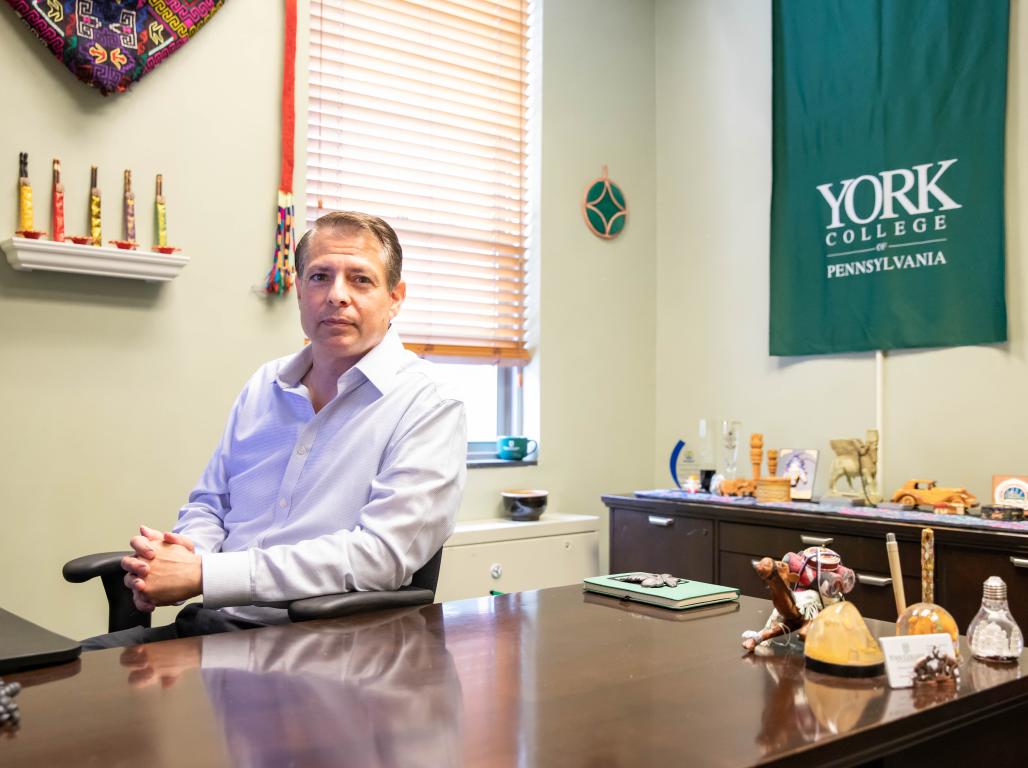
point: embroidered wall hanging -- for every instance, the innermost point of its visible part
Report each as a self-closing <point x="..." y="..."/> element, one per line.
<point x="280" y="277"/>
<point x="604" y="207"/>
<point x="110" y="44"/>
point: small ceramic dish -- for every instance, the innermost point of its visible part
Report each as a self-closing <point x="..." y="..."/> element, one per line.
<point x="524" y="505"/>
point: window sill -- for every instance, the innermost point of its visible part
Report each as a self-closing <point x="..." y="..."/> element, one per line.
<point x="494" y="462"/>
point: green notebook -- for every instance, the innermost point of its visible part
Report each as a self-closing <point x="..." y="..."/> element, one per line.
<point x="686" y="595"/>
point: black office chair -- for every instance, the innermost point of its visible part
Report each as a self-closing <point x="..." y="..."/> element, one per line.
<point x="122" y="613"/>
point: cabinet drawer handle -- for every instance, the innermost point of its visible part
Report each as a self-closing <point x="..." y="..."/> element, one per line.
<point x="874" y="581"/>
<point x="816" y="541"/>
<point x="1019" y="562"/>
<point x="663" y="522"/>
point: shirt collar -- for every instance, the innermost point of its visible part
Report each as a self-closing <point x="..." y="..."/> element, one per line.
<point x="295" y="368"/>
<point x="379" y="365"/>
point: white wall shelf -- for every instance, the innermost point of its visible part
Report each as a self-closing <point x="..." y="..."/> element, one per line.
<point x="25" y="255"/>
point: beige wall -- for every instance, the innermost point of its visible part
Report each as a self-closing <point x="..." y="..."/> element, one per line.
<point x="957" y="415"/>
<point x="116" y="391"/>
<point x="595" y="305"/>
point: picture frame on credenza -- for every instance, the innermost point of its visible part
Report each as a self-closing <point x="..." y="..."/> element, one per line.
<point x="800" y="466"/>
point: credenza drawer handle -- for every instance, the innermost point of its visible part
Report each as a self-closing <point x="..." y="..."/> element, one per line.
<point x="1019" y="562"/>
<point x="874" y="581"/>
<point x="816" y="541"/>
<point x="663" y="522"/>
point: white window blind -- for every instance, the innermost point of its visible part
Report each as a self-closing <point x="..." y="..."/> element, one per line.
<point x="419" y="114"/>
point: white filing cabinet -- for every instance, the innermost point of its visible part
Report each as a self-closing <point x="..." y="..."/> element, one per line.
<point x="505" y="556"/>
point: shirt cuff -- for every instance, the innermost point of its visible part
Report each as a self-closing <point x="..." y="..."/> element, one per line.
<point x="223" y="652"/>
<point x="226" y="579"/>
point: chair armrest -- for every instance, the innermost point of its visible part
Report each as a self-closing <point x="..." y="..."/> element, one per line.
<point x="121" y="611"/>
<point x="348" y="603"/>
<point x="89" y="566"/>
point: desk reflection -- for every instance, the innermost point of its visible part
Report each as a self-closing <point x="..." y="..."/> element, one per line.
<point x="366" y="691"/>
<point x="811" y="705"/>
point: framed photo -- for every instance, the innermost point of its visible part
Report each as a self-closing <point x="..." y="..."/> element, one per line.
<point x="1011" y="490"/>
<point x="800" y="466"/>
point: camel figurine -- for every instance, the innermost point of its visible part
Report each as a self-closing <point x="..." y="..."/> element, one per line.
<point x="787" y="616"/>
<point x="801" y="585"/>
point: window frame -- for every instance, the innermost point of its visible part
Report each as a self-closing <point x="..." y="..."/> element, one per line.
<point x="509" y="366"/>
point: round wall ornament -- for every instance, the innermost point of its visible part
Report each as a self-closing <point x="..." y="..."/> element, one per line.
<point x="604" y="207"/>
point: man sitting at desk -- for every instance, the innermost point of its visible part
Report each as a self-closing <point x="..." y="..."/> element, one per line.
<point x="341" y="467"/>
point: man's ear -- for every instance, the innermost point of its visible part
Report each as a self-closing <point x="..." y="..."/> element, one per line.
<point x="398" y="294"/>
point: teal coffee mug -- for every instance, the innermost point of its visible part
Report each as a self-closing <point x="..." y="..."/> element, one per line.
<point x="515" y="448"/>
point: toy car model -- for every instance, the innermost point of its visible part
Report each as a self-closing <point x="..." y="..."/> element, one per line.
<point x="925" y="492"/>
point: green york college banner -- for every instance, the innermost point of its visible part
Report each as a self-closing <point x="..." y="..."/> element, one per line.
<point x="887" y="202"/>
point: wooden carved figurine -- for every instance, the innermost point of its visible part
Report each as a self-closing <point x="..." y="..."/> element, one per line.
<point x="801" y="585"/>
<point x="772" y="488"/>
<point x="937" y="668"/>
<point x="787" y="616"/>
<point x="742" y="486"/>
<point x="756" y="453"/>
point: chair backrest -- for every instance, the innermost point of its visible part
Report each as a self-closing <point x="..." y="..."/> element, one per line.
<point x="428" y="576"/>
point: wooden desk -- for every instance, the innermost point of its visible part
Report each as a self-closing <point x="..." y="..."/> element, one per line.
<point x="548" y="678"/>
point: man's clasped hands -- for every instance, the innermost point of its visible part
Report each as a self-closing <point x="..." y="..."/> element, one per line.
<point x="164" y="570"/>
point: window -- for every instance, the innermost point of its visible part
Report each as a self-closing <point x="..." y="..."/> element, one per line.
<point x="419" y="113"/>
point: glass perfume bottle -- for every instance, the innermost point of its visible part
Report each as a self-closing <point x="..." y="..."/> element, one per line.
<point x="993" y="634"/>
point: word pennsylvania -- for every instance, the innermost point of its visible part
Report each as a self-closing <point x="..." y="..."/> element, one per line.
<point x="886" y="264"/>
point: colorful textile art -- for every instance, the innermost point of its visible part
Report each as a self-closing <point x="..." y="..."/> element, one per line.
<point x="281" y="275"/>
<point x="110" y="44"/>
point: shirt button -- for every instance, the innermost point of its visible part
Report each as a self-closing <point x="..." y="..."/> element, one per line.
<point x="283" y="503"/>
<point x="301" y="450"/>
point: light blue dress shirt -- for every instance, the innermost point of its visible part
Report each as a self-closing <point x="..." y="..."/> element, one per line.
<point x="358" y="496"/>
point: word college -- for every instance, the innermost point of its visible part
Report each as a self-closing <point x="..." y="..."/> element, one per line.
<point x="898" y="203"/>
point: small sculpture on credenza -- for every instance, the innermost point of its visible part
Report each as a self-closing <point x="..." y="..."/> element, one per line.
<point x="765" y="489"/>
<point x="856" y="459"/>
<point x="772" y="488"/>
<point x="743" y="486"/>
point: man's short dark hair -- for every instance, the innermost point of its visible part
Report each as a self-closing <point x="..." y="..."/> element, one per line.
<point x="338" y="221"/>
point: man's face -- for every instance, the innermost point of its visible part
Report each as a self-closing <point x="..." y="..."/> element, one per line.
<point x="345" y="304"/>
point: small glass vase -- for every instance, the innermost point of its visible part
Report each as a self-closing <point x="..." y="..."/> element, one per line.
<point x="993" y="634"/>
<point x="730" y="430"/>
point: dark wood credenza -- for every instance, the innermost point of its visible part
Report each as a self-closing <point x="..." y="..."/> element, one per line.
<point x="719" y="542"/>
